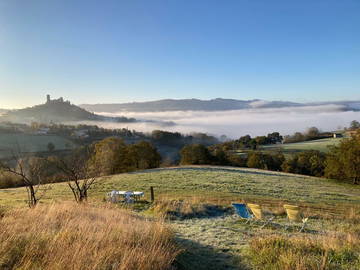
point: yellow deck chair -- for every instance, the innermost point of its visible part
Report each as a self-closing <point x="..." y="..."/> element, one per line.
<point x="259" y="214"/>
<point x="295" y="215"/>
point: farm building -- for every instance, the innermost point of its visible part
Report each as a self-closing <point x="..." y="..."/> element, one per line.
<point x="81" y="134"/>
<point x="337" y="135"/>
<point x="43" y="131"/>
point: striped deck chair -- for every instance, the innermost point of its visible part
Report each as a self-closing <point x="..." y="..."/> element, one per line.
<point x="295" y="215"/>
<point x="243" y="212"/>
<point x="259" y="214"/>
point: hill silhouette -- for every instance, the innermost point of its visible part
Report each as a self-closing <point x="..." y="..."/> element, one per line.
<point x="57" y="110"/>
<point x="218" y="104"/>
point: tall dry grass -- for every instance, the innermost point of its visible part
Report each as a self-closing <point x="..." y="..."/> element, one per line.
<point x="72" y="236"/>
<point x="323" y="252"/>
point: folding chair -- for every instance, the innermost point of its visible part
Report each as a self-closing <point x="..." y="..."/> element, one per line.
<point x="259" y="214"/>
<point x="128" y="197"/>
<point x="113" y="196"/>
<point x="295" y="215"/>
<point x="243" y="212"/>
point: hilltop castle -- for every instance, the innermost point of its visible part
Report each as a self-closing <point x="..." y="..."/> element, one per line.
<point x="52" y="101"/>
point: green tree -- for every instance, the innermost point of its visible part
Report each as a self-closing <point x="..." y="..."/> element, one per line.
<point x="274" y="137"/>
<point x="256" y="160"/>
<point x="237" y="160"/>
<point x="354" y="124"/>
<point x="195" y="154"/>
<point x="109" y="156"/>
<point x="312" y="132"/>
<point x="261" y="140"/>
<point x="308" y="162"/>
<point x="219" y="157"/>
<point x="142" y="155"/>
<point x="343" y="161"/>
<point x="265" y="161"/>
<point x="50" y="147"/>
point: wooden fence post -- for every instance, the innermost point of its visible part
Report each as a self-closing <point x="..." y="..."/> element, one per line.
<point x="152" y="196"/>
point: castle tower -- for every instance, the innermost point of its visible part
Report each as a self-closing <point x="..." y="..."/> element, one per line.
<point x="48" y="98"/>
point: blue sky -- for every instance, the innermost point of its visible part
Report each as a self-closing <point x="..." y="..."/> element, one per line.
<point x="119" y="51"/>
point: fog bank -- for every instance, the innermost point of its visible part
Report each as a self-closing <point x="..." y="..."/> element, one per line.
<point x="256" y="121"/>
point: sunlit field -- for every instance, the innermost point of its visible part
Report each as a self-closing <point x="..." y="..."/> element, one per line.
<point x="208" y="182"/>
<point x="319" y="145"/>
<point x="85" y="237"/>
<point x="197" y="202"/>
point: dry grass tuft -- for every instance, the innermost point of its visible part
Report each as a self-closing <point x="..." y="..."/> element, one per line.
<point x="334" y="251"/>
<point x="63" y="236"/>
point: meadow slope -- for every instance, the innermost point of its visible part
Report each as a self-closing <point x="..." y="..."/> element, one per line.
<point x="220" y="240"/>
<point x="211" y="183"/>
<point x="321" y="145"/>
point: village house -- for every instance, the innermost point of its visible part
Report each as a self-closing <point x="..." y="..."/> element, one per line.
<point x="81" y="134"/>
<point x="43" y="131"/>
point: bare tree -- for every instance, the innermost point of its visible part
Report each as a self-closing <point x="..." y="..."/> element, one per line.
<point x="76" y="170"/>
<point x="29" y="170"/>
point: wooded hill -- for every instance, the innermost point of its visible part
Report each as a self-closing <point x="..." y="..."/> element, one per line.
<point x="57" y="111"/>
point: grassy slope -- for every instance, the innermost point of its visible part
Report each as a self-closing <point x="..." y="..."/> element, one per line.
<point x="320" y="145"/>
<point x="30" y="143"/>
<point x="223" y="184"/>
<point x="221" y="243"/>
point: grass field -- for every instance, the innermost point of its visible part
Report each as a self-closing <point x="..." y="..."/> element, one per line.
<point x="30" y="143"/>
<point x="222" y="241"/>
<point x="210" y="183"/>
<point x="319" y="145"/>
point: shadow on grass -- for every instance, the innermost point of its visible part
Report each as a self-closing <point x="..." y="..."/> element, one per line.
<point x="201" y="257"/>
<point x="206" y="211"/>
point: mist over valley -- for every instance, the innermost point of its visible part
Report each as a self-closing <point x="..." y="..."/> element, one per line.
<point x="234" y="123"/>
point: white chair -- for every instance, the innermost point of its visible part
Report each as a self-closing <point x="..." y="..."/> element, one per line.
<point x="128" y="197"/>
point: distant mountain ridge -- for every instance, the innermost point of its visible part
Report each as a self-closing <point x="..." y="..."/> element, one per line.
<point x="218" y="104"/>
<point x="56" y="110"/>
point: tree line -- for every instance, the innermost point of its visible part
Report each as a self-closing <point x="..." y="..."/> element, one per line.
<point x="80" y="169"/>
<point x="342" y="162"/>
<point x="247" y="142"/>
<point x="112" y="155"/>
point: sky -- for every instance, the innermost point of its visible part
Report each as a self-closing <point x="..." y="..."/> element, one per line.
<point x="123" y="51"/>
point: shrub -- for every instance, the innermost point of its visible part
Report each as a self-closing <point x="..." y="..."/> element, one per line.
<point x="9" y="180"/>
<point x="63" y="236"/>
<point x="237" y="160"/>
<point x="265" y="161"/>
<point x="308" y="162"/>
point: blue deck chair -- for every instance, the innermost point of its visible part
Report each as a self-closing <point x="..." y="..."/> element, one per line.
<point x="242" y="211"/>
